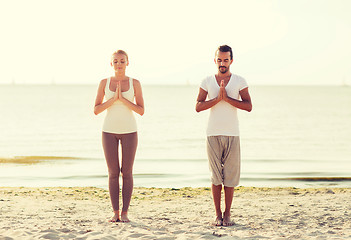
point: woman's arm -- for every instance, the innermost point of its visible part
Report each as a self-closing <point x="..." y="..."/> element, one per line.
<point x="138" y="106"/>
<point x="99" y="105"/>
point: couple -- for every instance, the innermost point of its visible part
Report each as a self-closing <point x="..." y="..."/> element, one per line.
<point x="222" y="93"/>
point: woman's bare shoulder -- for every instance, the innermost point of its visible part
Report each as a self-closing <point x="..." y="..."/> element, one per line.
<point x="103" y="82"/>
<point x="136" y="82"/>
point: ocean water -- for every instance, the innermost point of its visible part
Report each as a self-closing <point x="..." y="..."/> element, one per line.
<point x="296" y="136"/>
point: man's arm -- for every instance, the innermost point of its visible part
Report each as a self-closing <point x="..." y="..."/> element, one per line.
<point x="244" y="104"/>
<point x="202" y="104"/>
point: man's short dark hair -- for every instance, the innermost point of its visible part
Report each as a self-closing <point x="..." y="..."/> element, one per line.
<point x="225" y="48"/>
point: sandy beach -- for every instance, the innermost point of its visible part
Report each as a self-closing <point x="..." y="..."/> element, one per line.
<point x="186" y="213"/>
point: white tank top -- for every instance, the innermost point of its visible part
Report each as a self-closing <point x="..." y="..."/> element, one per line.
<point x="119" y="118"/>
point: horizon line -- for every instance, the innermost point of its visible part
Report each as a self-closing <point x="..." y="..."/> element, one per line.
<point x="170" y="84"/>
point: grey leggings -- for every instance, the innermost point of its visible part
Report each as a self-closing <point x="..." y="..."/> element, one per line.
<point x="129" y="142"/>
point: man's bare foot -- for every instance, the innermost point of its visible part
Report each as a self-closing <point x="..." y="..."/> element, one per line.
<point x="115" y="218"/>
<point x="218" y="221"/>
<point x="227" y="222"/>
<point x="124" y="217"/>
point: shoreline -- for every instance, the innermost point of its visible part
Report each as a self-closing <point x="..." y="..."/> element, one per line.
<point x="172" y="213"/>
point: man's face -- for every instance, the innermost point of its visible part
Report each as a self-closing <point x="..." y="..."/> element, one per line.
<point x="223" y="61"/>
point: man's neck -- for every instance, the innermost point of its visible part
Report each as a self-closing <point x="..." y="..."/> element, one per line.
<point x="223" y="75"/>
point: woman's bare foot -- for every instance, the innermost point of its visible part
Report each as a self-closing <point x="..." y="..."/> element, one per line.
<point x="124" y="217"/>
<point x="218" y="221"/>
<point x="227" y="222"/>
<point x="115" y="218"/>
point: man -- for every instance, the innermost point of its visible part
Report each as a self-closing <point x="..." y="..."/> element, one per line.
<point x="226" y="93"/>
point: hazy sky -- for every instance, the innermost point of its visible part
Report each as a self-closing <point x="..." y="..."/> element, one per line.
<point x="173" y="42"/>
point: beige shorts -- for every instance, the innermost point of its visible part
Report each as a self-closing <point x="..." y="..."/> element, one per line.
<point x="224" y="159"/>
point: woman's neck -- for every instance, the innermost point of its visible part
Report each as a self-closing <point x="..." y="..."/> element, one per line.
<point x="120" y="75"/>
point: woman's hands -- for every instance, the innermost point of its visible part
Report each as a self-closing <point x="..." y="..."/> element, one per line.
<point x="118" y="93"/>
<point x="137" y="107"/>
<point x="100" y="106"/>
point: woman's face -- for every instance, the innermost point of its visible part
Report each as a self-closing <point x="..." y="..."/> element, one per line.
<point x="119" y="62"/>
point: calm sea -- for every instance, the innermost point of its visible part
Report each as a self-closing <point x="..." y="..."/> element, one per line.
<point x="296" y="136"/>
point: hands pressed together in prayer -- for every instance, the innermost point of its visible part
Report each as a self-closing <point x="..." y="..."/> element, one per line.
<point x="118" y="93"/>
<point x="222" y="92"/>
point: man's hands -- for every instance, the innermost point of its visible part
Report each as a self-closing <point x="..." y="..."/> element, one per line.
<point x="244" y="103"/>
<point x="222" y="92"/>
<point x="202" y="104"/>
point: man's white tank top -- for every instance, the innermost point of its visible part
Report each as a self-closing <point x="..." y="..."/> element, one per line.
<point x="119" y="118"/>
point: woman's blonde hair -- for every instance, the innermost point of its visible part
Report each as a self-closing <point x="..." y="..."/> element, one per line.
<point x="121" y="52"/>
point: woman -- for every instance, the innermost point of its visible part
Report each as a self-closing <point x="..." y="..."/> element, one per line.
<point x="120" y="126"/>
